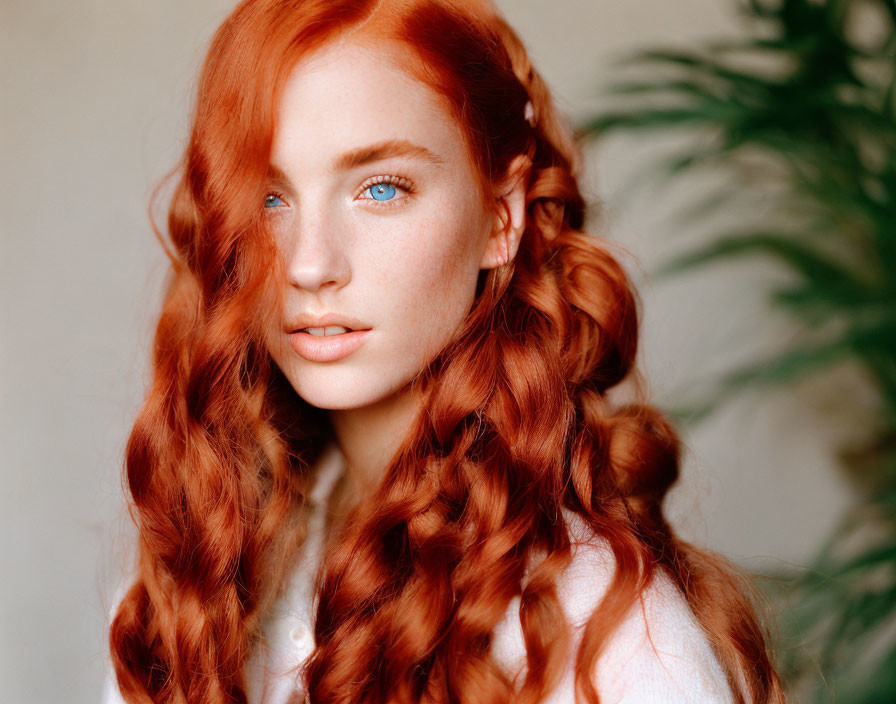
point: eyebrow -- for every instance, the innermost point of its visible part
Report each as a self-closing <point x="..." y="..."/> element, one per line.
<point x="371" y="153"/>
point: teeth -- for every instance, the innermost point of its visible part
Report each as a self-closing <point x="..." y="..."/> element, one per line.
<point x="329" y="330"/>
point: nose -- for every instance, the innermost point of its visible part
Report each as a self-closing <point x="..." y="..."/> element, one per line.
<point x="318" y="257"/>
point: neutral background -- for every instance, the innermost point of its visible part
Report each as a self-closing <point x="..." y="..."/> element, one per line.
<point x="95" y="102"/>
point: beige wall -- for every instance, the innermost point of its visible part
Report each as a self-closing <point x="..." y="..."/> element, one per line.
<point x="94" y="108"/>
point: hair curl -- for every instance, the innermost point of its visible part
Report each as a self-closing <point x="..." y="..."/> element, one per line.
<point x="515" y="425"/>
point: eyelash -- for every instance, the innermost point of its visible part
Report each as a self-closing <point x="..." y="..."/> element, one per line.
<point x="400" y="181"/>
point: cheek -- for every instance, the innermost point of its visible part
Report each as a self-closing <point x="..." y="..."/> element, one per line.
<point x="431" y="272"/>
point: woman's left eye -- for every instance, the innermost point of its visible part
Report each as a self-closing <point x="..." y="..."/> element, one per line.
<point x="383" y="189"/>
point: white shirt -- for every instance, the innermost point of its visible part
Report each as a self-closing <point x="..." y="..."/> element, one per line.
<point x="673" y="663"/>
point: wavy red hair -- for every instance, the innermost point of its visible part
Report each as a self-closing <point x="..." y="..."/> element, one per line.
<point x="515" y="425"/>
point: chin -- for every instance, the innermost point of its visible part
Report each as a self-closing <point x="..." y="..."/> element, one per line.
<point x="339" y="395"/>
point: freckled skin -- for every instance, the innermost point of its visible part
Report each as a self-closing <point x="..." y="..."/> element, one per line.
<point x="407" y="270"/>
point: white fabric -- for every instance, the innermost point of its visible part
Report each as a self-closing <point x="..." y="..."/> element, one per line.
<point x="657" y="656"/>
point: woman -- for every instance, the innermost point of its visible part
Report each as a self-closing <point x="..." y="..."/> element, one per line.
<point x="378" y="462"/>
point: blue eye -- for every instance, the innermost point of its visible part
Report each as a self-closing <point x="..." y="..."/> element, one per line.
<point x="268" y="200"/>
<point x="382" y="191"/>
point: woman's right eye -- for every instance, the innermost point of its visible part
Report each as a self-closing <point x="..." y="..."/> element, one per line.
<point x="271" y="200"/>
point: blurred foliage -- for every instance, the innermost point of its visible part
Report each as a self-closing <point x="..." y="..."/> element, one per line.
<point x="807" y="103"/>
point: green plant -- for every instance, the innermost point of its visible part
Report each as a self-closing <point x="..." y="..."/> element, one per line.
<point x="808" y="100"/>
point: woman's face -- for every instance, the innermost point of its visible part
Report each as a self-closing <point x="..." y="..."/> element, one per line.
<point x="377" y="213"/>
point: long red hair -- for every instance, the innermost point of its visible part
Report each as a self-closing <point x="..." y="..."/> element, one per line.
<point x="515" y="425"/>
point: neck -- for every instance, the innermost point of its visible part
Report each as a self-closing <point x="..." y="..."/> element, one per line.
<point x="369" y="438"/>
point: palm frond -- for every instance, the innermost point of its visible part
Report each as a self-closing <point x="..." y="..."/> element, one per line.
<point x="822" y="114"/>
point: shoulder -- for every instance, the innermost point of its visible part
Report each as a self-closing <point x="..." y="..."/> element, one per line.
<point x="659" y="653"/>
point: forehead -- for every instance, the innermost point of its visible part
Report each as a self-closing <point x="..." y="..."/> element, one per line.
<point x="350" y="94"/>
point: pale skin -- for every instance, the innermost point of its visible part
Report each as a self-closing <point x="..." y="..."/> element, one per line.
<point x="406" y="264"/>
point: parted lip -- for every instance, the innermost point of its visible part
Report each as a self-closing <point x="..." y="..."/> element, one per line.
<point x="307" y="320"/>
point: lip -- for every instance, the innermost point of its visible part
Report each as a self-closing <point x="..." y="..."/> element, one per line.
<point x="307" y="320"/>
<point x="329" y="348"/>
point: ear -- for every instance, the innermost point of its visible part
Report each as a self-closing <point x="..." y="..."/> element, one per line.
<point x="510" y="216"/>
